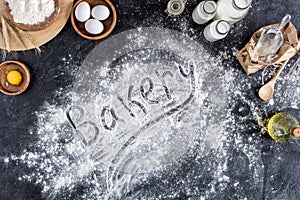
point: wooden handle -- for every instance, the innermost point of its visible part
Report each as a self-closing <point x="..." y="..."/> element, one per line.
<point x="279" y="70"/>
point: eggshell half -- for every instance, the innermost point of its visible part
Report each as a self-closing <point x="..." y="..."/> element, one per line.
<point x="94" y="26"/>
<point x="83" y="11"/>
<point x="100" y="12"/>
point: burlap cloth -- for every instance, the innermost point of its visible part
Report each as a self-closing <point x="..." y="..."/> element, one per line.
<point x="249" y="59"/>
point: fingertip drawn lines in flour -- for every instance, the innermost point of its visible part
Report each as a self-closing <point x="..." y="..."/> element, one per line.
<point x="131" y="103"/>
<point x="114" y="118"/>
<point x="184" y="115"/>
<point x="145" y="93"/>
<point x="83" y="126"/>
<point x="117" y="159"/>
<point x="162" y="78"/>
<point x="89" y="132"/>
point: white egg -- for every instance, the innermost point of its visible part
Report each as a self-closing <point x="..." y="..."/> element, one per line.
<point x="100" y="12"/>
<point x="94" y="26"/>
<point x="83" y="11"/>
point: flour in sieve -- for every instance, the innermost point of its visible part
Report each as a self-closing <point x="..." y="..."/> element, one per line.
<point x="31" y="11"/>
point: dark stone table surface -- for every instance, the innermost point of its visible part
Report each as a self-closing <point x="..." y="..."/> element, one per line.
<point x="49" y="72"/>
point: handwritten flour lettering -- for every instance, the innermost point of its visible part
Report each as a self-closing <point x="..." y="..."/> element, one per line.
<point x="163" y="82"/>
<point x="108" y="111"/>
<point x="131" y="103"/>
<point x="88" y="132"/>
<point x="74" y="115"/>
<point x="145" y="94"/>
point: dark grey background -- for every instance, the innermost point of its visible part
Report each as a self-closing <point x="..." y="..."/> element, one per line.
<point x="49" y="72"/>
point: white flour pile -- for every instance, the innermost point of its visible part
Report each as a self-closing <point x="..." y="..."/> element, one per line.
<point x="150" y="126"/>
<point x="31" y="11"/>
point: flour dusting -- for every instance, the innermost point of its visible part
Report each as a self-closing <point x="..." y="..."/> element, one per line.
<point x="154" y="112"/>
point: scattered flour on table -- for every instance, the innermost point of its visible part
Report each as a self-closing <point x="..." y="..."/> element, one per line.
<point x="120" y="140"/>
<point x="31" y="11"/>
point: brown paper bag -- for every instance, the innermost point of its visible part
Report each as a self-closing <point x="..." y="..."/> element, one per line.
<point x="249" y="59"/>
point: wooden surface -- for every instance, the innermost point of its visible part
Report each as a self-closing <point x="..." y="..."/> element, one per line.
<point x="43" y="36"/>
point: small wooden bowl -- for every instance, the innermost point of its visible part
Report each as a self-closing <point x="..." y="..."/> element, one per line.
<point x="7" y="88"/>
<point x="35" y="27"/>
<point x="109" y="24"/>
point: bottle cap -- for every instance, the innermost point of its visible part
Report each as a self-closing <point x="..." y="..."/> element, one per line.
<point x="296" y="132"/>
<point x="209" y="7"/>
<point x="175" y="7"/>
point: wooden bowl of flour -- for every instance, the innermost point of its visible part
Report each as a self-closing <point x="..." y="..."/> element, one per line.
<point x="32" y="15"/>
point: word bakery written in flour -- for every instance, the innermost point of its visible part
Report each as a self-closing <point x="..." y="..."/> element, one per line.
<point x="138" y="105"/>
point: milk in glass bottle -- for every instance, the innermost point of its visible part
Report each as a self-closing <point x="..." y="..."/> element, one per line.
<point x="205" y="11"/>
<point x="232" y="10"/>
<point x="216" y="30"/>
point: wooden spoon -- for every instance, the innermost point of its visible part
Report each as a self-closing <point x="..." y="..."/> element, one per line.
<point x="266" y="92"/>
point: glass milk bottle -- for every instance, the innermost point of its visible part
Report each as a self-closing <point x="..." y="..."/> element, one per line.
<point x="216" y="30"/>
<point x="232" y="10"/>
<point x="205" y="11"/>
